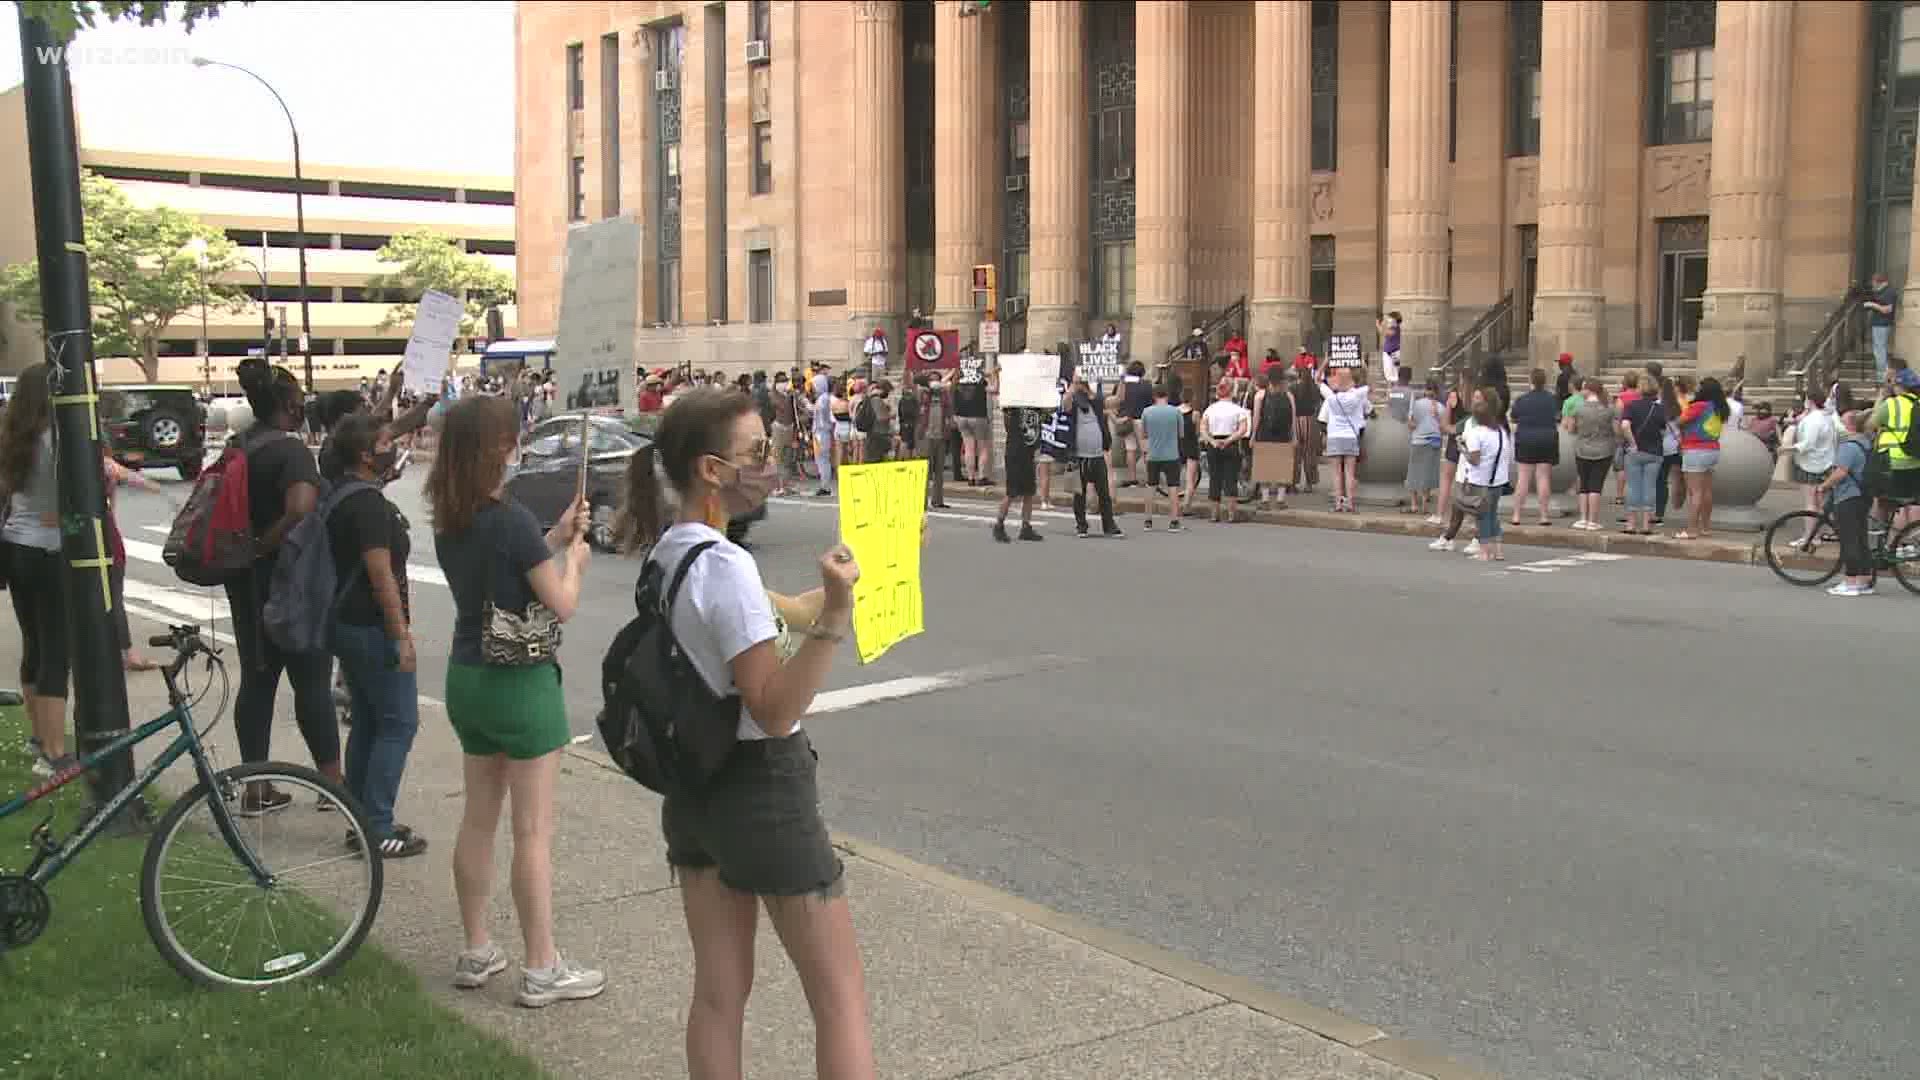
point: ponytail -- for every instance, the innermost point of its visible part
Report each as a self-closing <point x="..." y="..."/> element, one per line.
<point x="638" y="522"/>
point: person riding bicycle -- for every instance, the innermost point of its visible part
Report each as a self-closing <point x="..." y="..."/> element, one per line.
<point x="1845" y="488"/>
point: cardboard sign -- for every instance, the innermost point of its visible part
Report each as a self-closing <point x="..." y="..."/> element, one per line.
<point x="436" y="322"/>
<point x="1030" y="381"/>
<point x="1100" y="362"/>
<point x="595" y="348"/>
<point x="882" y="510"/>
<point x="933" y="350"/>
<point x="1343" y="351"/>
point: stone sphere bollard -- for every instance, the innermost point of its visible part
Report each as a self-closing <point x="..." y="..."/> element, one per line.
<point x="1383" y="462"/>
<point x="1566" y="481"/>
<point x="1740" y="481"/>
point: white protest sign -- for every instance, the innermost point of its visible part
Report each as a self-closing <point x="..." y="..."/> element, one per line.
<point x="1030" y="381"/>
<point x="1100" y="362"/>
<point x="596" y="346"/>
<point x="1343" y="351"/>
<point x="436" y="322"/>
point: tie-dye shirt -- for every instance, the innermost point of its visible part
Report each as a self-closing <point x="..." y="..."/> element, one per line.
<point x="1700" y="426"/>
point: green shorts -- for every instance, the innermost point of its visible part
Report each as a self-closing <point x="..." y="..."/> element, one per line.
<point x="516" y="711"/>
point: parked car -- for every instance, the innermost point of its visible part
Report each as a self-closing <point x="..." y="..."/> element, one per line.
<point x="549" y="473"/>
<point x="151" y="426"/>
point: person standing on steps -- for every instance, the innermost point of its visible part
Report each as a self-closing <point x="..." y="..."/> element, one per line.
<point x="283" y="486"/>
<point x="1023" y="451"/>
<point x="1880" y="303"/>
<point x="1090" y="439"/>
<point x="1162" y="422"/>
<point x="510" y="718"/>
<point x="1388" y="327"/>
<point x="876" y="352"/>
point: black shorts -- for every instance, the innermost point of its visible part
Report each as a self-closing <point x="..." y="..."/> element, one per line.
<point x="1537" y="449"/>
<point x="758" y="823"/>
<point x="1164" y="474"/>
<point x="1900" y="484"/>
<point x="1593" y="474"/>
<point x="33" y="575"/>
<point x="1223" y="473"/>
<point x="1023" y="479"/>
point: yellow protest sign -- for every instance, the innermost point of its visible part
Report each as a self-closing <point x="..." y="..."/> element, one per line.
<point x="882" y="510"/>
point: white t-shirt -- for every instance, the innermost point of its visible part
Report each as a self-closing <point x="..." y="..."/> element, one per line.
<point x="1495" y="467"/>
<point x="1736" y="414"/>
<point x="1223" y="418"/>
<point x="1345" y="412"/>
<point x="722" y="609"/>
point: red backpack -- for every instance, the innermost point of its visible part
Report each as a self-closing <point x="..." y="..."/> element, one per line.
<point x="212" y="537"/>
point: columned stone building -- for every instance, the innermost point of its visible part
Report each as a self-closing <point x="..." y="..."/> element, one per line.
<point x="1625" y="178"/>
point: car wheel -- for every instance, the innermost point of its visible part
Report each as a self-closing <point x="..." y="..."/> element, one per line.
<point x="164" y="431"/>
<point x="600" y="532"/>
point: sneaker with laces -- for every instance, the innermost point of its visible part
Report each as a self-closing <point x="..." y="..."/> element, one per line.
<point x="1175" y="526"/>
<point x="561" y="982"/>
<point x="1147" y="524"/>
<point x="1442" y="544"/>
<point x="1473" y="547"/>
<point x="1000" y="533"/>
<point x="472" y="969"/>
<point x="47" y="768"/>
<point x="263" y="799"/>
<point x="1028" y="532"/>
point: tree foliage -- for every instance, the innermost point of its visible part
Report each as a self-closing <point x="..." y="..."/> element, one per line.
<point x="66" y="18"/>
<point x="424" y="259"/>
<point x="144" y="271"/>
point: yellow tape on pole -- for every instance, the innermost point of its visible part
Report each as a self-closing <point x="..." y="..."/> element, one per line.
<point x="882" y="511"/>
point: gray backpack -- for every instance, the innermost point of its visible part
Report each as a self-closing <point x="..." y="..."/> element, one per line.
<point x="306" y="587"/>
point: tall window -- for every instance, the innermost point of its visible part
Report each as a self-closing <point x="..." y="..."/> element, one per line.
<point x="760" y="20"/>
<point x="577" y="190"/>
<point x="1320" y="288"/>
<point x="1110" y="30"/>
<point x="916" y="33"/>
<point x="610" y="125"/>
<point x="576" y="76"/>
<point x="669" y="43"/>
<point x="1682" y="69"/>
<point x="1523" y="124"/>
<point x="763" y="158"/>
<point x="1453" y="79"/>
<point x="760" y="286"/>
<point x="1326" y="83"/>
<point x="1893" y="128"/>
<point x="1016" y="102"/>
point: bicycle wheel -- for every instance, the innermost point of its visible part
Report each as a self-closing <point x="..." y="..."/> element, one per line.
<point x="1808" y="562"/>
<point x="218" y="926"/>
<point x="1903" y="556"/>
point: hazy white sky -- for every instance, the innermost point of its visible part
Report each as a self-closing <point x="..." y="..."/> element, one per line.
<point x="426" y="85"/>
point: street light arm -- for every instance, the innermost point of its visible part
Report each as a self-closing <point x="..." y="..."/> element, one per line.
<point x="201" y="61"/>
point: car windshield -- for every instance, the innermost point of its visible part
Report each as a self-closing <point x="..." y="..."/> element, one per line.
<point x="120" y="404"/>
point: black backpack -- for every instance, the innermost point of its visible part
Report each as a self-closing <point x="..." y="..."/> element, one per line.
<point x="662" y="725"/>
<point x="863" y="416"/>
<point x="909" y="413"/>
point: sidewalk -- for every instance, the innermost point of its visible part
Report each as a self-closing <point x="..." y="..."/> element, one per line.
<point x="964" y="980"/>
<point x="1314" y="511"/>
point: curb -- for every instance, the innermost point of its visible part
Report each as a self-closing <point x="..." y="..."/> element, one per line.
<point x="1358" y="1035"/>
<point x="1738" y="554"/>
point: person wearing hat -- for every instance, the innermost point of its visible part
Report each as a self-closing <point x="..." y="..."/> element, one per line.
<point x="1196" y="348"/>
<point x="876" y="350"/>
<point x="1567" y="383"/>
<point x="1891" y="419"/>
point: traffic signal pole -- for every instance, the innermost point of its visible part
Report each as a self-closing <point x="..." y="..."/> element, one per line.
<point x="98" y="677"/>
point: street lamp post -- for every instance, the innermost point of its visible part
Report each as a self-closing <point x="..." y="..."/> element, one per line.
<point x="199" y="248"/>
<point x="299" y="210"/>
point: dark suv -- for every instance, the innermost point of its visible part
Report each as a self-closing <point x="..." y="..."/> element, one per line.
<point x="155" y="426"/>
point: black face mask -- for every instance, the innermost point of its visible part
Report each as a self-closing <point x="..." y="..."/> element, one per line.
<point x="384" y="462"/>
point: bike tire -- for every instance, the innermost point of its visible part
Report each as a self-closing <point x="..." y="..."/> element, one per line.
<point x="1805" y="566"/>
<point x="1907" y="571"/>
<point x="230" y="783"/>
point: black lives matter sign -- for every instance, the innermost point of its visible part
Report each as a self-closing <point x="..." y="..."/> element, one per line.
<point x="1343" y="351"/>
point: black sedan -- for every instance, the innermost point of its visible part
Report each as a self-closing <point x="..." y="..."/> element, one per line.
<point x="549" y="472"/>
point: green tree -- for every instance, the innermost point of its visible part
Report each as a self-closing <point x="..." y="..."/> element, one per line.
<point x="424" y="259"/>
<point x="66" y="17"/>
<point x="146" y="268"/>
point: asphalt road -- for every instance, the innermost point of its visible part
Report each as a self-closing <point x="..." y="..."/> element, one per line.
<point x="1632" y="818"/>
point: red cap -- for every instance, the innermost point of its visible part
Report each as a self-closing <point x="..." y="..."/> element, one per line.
<point x="1566" y="359"/>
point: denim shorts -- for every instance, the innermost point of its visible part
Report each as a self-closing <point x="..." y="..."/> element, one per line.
<point x="758" y="822"/>
<point x="1698" y="461"/>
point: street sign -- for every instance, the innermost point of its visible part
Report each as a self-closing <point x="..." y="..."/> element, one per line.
<point x="989" y="336"/>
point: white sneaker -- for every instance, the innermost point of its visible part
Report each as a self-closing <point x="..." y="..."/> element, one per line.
<point x="1433" y="519"/>
<point x="472" y="969"/>
<point x="1442" y="544"/>
<point x="538" y="989"/>
<point x="1473" y="546"/>
<point x="1845" y="589"/>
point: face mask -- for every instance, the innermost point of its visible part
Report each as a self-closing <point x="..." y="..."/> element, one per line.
<point x="749" y="489"/>
<point x="383" y="463"/>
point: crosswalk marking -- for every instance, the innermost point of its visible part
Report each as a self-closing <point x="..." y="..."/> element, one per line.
<point x="145" y="552"/>
<point x="1564" y="562"/>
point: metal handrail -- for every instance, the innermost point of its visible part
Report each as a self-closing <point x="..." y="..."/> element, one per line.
<point x="1844" y="329"/>
<point x="1497" y="320"/>
<point x="1234" y="315"/>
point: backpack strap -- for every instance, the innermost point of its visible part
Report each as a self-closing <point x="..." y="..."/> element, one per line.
<point x="680" y="575"/>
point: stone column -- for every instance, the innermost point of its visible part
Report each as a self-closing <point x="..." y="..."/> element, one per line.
<point x="1747" y="193"/>
<point x="966" y="164"/>
<point x="1058" y="184"/>
<point x="1419" y="195"/>
<point x="1162" y="308"/>
<point x="1573" y="77"/>
<point x="1280" y="306"/>
<point x="879" y="171"/>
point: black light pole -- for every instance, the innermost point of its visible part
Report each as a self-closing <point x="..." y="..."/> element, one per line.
<point x="299" y="209"/>
<point x="99" y="680"/>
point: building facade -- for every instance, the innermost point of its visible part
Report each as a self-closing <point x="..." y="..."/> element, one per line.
<point x="351" y="212"/>
<point x="1675" y="177"/>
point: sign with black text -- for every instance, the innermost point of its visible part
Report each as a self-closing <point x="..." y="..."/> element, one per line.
<point x="1100" y="361"/>
<point x="1343" y="351"/>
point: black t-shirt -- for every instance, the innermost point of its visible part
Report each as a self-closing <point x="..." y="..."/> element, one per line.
<point x="1647" y="419"/>
<point x="503" y="541"/>
<point x="1134" y="398"/>
<point x="1535" y="414"/>
<point x="970" y="391"/>
<point x="359" y="523"/>
<point x="275" y="462"/>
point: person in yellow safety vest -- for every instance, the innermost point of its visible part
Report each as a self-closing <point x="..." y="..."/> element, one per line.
<point x="1891" y="419"/>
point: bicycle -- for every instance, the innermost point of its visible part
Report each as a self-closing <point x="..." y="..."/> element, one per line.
<point x="1803" y="547"/>
<point x="299" y="938"/>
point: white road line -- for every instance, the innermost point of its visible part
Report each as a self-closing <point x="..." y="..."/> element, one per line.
<point x="182" y="604"/>
<point x="1556" y="562"/>
<point x="1530" y="569"/>
<point x="1601" y="556"/>
<point x="987" y="513"/>
<point x="145" y="552"/>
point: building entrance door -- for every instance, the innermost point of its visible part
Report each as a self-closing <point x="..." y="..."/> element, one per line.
<point x="1529" y="283"/>
<point x="1682" y="281"/>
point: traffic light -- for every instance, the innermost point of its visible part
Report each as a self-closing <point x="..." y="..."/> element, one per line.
<point x="986" y="288"/>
